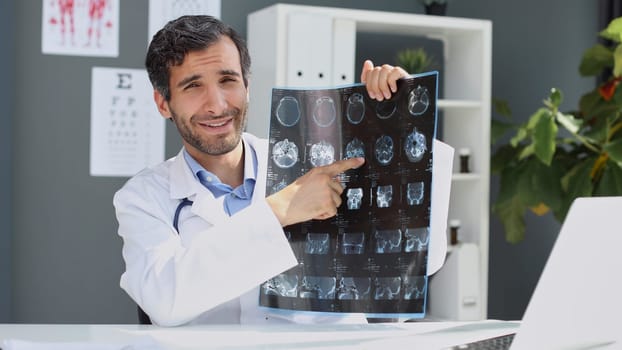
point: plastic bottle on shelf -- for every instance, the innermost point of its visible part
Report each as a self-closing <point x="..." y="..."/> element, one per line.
<point x="454" y="225"/>
<point x="465" y="155"/>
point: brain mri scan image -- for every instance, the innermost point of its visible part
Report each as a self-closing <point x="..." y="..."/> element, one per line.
<point x="415" y="146"/>
<point x="388" y="241"/>
<point x="415" y="287"/>
<point x="355" y="198"/>
<point x="417" y="239"/>
<point x="322" y="153"/>
<point x="288" y="111"/>
<point x="355" y="148"/>
<point x="355" y="111"/>
<point x="418" y="100"/>
<point x="324" y="113"/>
<point x="384" y="196"/>
<point x="384" y="149"/>
<point x="414" y="193"/>
<point x="281" y="285"/>
<point x="385" y="109"/>
<point x="285" y="154"/>
<point x="313" y="287"/>
<point x="317" y="243"/>
<point x="352" y="243"/>
<point x="370" y="258"/>
<point x="387" y="288"/>
<point x="353" y="288"/>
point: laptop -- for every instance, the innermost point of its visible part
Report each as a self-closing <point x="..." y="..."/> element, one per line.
<point x="577" y="303"/>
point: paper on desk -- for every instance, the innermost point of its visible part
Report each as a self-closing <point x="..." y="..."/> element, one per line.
<point x="442" y="166"/>
<point x="143" y="343"/>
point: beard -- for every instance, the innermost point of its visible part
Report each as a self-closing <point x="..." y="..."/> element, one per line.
<point x="216" y="144"/>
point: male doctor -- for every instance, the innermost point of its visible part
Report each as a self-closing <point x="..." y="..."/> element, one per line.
<point x="199" y="235"/>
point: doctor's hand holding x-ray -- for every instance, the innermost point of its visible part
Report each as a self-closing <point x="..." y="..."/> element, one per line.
<point x="199" y="235"/>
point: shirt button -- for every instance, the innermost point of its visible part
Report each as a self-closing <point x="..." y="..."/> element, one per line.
<point x="209" y="179"/>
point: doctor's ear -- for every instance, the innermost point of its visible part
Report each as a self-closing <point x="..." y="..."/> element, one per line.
<point x="162" y="104"/>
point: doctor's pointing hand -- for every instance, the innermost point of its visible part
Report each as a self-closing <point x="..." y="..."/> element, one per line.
<point x="315" y="195"/>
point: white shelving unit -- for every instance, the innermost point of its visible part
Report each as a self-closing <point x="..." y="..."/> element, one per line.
<point x="303" y="46"/>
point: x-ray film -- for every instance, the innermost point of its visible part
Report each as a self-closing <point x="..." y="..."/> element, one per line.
<point x="372" y="256"/>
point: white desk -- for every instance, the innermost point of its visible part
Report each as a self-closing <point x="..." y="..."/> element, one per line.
<point x="416" y="335"/>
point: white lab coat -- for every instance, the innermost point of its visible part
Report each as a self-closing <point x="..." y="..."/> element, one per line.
<point x="211" y="270"/>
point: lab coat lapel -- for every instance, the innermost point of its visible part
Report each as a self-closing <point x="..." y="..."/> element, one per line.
<point x="185" y="185"/>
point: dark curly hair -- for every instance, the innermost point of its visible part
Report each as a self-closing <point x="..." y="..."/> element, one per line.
<point x="172" y="43"/>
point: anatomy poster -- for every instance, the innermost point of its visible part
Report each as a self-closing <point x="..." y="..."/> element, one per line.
<point x="162" y="11"/>
<point x="80" y="27"/>
<point x="127" y="131"/>
<point x="372" y="256"/>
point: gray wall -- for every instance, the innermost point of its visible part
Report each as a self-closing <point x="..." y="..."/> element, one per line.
<point x="66" y="258"/>
<point x="6" y="94"/>
<point x="536" y="45"/>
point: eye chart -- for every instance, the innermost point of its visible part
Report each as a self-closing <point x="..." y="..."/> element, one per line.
<point x="127" y="131"/>
<point x="372" y="256"/>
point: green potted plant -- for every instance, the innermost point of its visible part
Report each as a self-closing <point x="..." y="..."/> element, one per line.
<point x="415" y="60"/>
<point x="555" y="157"/>
<point x="434" y="7"/>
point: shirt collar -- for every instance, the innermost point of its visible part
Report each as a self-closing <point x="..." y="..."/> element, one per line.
<point x="250" y="165"/>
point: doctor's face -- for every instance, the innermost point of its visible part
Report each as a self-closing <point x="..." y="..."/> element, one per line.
<point x="208" y="101"/>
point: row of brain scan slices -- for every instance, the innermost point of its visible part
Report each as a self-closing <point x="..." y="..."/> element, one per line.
<point x="347" y="288"/>
<point x="285" y="152"/>
<point x="324" y="114"/>
<point x="383" y="195"/>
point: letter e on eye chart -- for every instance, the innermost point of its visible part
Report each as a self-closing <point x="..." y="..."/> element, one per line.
<point x="127" y="131"/>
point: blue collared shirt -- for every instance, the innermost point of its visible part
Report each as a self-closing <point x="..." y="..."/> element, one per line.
<point x="236" y="198"/>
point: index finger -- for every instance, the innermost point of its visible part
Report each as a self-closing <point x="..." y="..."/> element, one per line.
<point x="340" y="166"/>
<point x="396" y="73"/>
<point x="368" y="65"/>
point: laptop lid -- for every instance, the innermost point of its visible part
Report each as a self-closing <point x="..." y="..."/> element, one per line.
<point x="577" y="303"/>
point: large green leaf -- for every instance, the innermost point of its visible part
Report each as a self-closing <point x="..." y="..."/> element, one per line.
<point x="534" y="119"/>
<point x="526" y="152"/>
<point x="595" y="59"/>
<point x="610" y="183"/>
<point x="614" y="149"/>
<point x="507" y="184"/>
<point x="569" y="122"/>
<point x="576" y="183"/>
<point x="537" y="183"/>
<point x="524" y="183"/>
<point x="544" y="138"/>
<point x="546" y="184"/>
<point x="511" y="213"/>
<point x="502" y="158"/>
<point x="589" y="101"/>
<point x="613" y="31"/>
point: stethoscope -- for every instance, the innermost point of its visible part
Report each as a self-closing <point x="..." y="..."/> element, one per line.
<point x="184" y="202"/>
